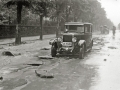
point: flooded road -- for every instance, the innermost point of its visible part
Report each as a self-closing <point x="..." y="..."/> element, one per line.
<point x="108" y="72"/>
<point x="99" y="70"/>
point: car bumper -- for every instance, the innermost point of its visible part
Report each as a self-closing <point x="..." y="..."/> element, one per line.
<point x="67" y="50"/>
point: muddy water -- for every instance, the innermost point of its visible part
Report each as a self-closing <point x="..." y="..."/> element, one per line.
<point x="70" y="73"/>
<point x="98" y="71"/>
<point x="108" y="72"/>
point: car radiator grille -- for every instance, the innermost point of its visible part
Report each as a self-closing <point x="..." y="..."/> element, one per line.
<point x="67" y="38"/>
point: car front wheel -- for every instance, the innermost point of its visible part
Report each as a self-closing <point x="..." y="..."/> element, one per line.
<point x="53" y="51"/>
<point x="82" y="52"/>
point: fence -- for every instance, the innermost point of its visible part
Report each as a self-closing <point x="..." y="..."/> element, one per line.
<point x="8" y="31"/>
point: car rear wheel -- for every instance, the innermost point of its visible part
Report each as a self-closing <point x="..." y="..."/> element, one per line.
<point x="53" y="51"/>
<point x="82" y="52"/>
<point x="91" y="45"/>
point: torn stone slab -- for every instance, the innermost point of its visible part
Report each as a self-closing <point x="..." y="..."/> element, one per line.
<point x="45" y="57"/>
<point x="45" y="49"/>
<point x="7" y="53"/>
<point x="45" y="75"/>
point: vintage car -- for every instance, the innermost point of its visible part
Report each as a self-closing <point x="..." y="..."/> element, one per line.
<point x="76" y="40"/>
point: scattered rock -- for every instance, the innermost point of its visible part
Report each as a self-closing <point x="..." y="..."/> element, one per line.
<point x="7" y="53"/>
<point x="111" y="47"/>
<point x="45" y="57"/>
<point x="10" y="44"/>
<point x="35" y="64"/>
<point x="1" y="78"/>
<point x="43" y="76"/>
<point x="45" y="48"/>
<point x="96" y="48"/>
<point x="105" y="59"/>
<point x="95" y="43"/>
<point x="24" y="43"/>
<point x="1" y="48"/>
<point x="17" y="54"/>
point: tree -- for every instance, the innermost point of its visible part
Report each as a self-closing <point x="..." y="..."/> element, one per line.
<point x="40" y="7"/>
<point x="19" y="4"/>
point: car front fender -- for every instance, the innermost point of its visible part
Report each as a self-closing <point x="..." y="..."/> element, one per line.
<point x="52" y="41"/>
<point x="56" y="40"/>
<point x="81" y="42"/>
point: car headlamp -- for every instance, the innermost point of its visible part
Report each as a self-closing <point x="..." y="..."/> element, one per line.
<point x="59" y="39"/>
<point x="74" y="39"/>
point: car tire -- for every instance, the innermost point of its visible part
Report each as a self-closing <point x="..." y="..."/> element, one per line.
<point x="82" y="52"/>
<point x="91" y="45"/>
<point x="53" y="51"/>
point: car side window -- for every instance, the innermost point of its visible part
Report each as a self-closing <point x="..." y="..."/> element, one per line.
<point x="87" y="29"/>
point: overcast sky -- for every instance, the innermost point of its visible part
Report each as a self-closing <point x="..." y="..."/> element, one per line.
<point x="112" y="8"/>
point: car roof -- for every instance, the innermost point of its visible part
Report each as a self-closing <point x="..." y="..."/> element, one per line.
<point x="77" y="23"/>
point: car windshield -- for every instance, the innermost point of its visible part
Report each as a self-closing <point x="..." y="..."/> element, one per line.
<point x="75" y="28"/>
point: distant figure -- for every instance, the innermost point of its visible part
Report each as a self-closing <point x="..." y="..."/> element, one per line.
<point x="101" y="29"/>
<point x="113" y="30"/>
<point x="105" y="30"/>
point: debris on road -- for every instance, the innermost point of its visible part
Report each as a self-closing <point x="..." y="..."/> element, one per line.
<point x="17" y="54"/>
<point x="105" y="59"/>
<point x="43" y="76"/>
<point x="45" y="57"/>
<point x="35" y="64"/>
<point x="111" y="47"/>
<point x="7" y="53"/>
<point x="45" y="49"/>
<point x="1" y="48"/>
<point x="1" y="78"/>
<point x="96" y="48"/>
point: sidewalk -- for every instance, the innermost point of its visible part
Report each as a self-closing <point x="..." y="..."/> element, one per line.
<point x="31" y="38"/>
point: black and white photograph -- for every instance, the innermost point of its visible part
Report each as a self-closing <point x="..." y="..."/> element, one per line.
<point x="59" y="44"/>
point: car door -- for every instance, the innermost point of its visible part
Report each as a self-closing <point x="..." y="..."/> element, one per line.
<point x="88" y="34"/>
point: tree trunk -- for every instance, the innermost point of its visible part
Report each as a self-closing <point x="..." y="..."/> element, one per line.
<point x="67" y="15"/>
<point x="18" y="34"/>
<point x="41" y="27"/>
<point x="57" y="31"/>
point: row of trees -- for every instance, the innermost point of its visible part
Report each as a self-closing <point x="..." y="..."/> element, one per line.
<point x="58" y="11"/>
